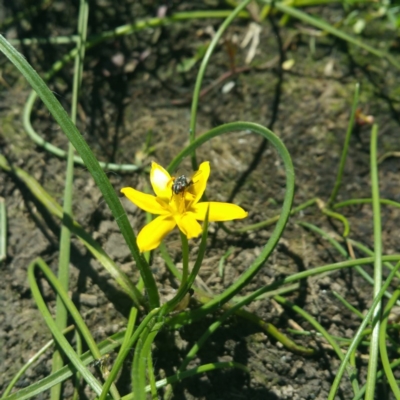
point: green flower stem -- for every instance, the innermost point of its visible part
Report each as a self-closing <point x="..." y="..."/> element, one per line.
<point x="142" y="353"/>
<point x="97" y="251"/>
<point x="185" y="258"/>
<point x="200" y="75"/>
<point x="58" y="336"/>
<point x="124" y="351"/>
<point x="130" y="328"/>
<point x="91" y="163"/>
<point x="187" y="284"/>
<point x="374" y="347"/>
<point x="358" y="336"/>
<point x="345" y="150"/>
<point x="280" y="226"/>
<point x="382" y="345"/>
<point x="65" y="238"/>
<point x="31" y="361"/>
<point x="350" y="368"/>
<point x="138" y="370"/>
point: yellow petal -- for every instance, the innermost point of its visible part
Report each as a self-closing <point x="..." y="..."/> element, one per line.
<point x="161" y="181"/>
<point x="218" y="211"/>
<point x="153" y="233"/>
<point x="146" y="202"/>
<point x="200" y="179"/>
<point x="188" y="225"/>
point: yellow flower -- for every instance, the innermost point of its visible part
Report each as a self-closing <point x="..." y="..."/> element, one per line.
<point x="177" y="206"/>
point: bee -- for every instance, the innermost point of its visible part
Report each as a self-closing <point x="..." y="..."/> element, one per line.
<point x="183" y="182"/>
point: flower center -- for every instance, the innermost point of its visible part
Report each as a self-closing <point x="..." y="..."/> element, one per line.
<point x="182" y="201"/>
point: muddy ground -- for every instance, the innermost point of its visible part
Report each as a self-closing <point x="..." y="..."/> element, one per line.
<point x="131" y="88"/>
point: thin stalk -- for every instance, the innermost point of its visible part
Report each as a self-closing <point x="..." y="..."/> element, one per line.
<point x="58" y="336"/>
<point x="187" y="317"/>
<point x="369" y="252"/>
<point x="346" y="145"/>
<point x="187" y="284"/>
<point x="374" y="347"/>
<point x="31" y="361"/>
<point x="79" y="322"/>
<point x="192" y="372"/>
<point x="140" y="360"/>
<point x="342" y="251"/>
<point x="359" y="334"/>
<point x="94" y="247"/>
<point x="105" y="347"/>
<point x="379" y="376"/>
<point x="351" y="369"/>
<point x="130" y="328"/>
<point x="185" y="258"/>
<point x="100" y="178"/>
<point x="383" y="348"/>
<point x="352" y="202"/>
<point x="321" y="24"/>
<point x="78" y="378"/>
<point x="274" y="219"/>
<point x="124" y="351"/>
<point x="151" y="376"/>
<point x="339" y="217"/>
<point x="65" y="237"/>
<point x="200" y="75"/>
<point x="94" y="41"/>
<point x="245" y="278"/>
<point x="348" y="305"/>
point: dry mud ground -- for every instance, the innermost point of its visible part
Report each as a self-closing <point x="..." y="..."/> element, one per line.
<point x="131" y="87"/>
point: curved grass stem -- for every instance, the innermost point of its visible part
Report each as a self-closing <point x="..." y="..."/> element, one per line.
<point x="345" y="149"/>
<point x="91" y="163"/>
<point x="359" y="334"/>
<point x="374" y="347"/>
<point x="65" y="237"/>
<point x="245" y="278"/>
<point x="202" y="70"/>
<point x="382" y="346"/>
